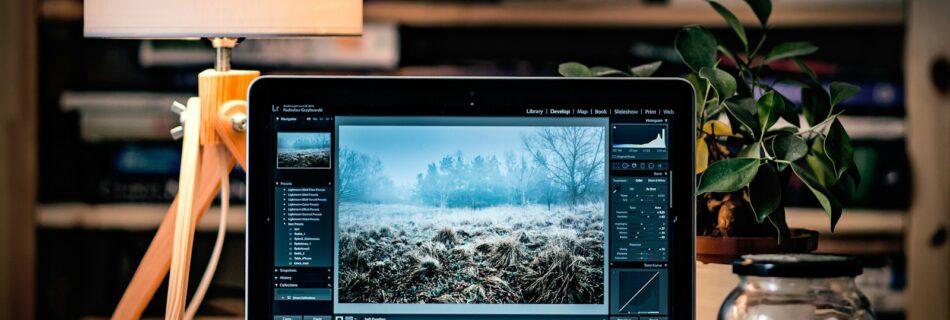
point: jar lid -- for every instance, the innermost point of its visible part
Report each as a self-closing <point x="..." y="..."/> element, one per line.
<point x="796" y="266"/>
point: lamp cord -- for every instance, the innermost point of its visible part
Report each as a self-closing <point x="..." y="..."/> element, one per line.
<point x="202" y="288"/>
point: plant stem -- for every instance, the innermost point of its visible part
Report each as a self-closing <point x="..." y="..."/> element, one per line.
<point x="702" y="111"/>
<point x="765" y="151"/>
<point x="757" y="47"/>
<point x="819" y="125"/>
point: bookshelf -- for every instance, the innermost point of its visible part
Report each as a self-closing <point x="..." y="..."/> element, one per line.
<point x="434" y="38"/>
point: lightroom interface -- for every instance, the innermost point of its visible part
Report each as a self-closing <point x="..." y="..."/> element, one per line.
<point x="531" y="217"/>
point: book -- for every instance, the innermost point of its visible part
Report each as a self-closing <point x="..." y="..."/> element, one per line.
<point x="122" y="115"/>
<point x="138" y="171"/>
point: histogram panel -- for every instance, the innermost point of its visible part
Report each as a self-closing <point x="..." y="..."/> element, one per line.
<point x="646" y="141"/>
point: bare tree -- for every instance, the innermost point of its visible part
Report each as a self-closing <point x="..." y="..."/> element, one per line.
<point x="358" y="173"/>
<point x="516" y="178"/>
<point x="573" y="157"/>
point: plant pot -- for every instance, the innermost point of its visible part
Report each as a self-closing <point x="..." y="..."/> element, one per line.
<point x="724" y="249"/>
<point x="714" y="255"/>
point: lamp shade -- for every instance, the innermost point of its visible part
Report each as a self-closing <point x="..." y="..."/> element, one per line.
<point x="221" y="18"/>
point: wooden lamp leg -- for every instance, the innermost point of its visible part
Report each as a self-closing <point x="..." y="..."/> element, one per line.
<point x="184" y="227"/>
<point x="157" y="260"/>
<point x="227" y="91"/>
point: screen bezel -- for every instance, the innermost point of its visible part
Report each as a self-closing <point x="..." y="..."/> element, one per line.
<point x="465" y="96"/>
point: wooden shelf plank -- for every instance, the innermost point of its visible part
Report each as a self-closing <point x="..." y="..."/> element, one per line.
<point x="577" y="14"/>
<point x="853" y="221"/>
<point x="131" y="217"/>
<point x="860" y="246"/>
<point x="621" y="15"/>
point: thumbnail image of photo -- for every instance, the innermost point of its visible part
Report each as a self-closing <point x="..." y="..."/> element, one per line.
<point x="471" y="214"/>
<point x="303" y="150"/>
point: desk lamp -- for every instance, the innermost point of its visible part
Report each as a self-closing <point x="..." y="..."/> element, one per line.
<point x="213" y="124"/>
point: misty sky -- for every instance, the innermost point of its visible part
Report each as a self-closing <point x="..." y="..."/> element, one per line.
<point x="286" y="140"/>
<point x="407" y="151"/>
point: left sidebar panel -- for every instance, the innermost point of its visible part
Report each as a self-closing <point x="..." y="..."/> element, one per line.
<point x="303" y="240"/>
<point x="303" y="216"/>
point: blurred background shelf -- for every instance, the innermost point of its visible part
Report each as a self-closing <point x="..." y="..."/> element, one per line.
<point x="105" y="180"/>
<point x="861" y="232"/>
<point x="611" y="14"/>
<point x="580" y="13"/>
<point x="853" y="221"/>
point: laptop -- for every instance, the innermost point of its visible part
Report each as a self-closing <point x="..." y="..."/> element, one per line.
<point x="377" y="198"/>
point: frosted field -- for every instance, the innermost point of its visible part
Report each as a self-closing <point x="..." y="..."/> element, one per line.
<point x="305" y="158"/>
<point x="393" y="253"/>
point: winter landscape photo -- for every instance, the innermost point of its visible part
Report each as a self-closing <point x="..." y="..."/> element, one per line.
<point x="303" y="150"/>
<point x="471" y="214"/>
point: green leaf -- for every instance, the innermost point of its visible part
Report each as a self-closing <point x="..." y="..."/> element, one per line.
<point x="789" y="147"/>
<point x="819" y="164"/>
<point x="696" y="46"/>
<point x="790" y="50"/>
<point x="765" y="193"/>
<point x="783" y="130"/>
<point x="838" y="148"/>
<point x="700" y="85"/>
<point x="777" y="219"/>
<point x="713" y="107"/>
<point x="733" y="22"/>
<point x="828" y="202"/>
<point x="728" y="175"/>
<point x="841" y="91"/>
<point x="844" y="189"/>
<point x="728" y="53"/>
<point x="574" y="69"/>
<point x="790" y="113"/>
<point x="854" y="174"/>
<point x="770" y="108"/>
<point x="750" y="151"/>
<point x="817" y="145"/>
<point x="821" y="169"/>
<point x="601" y="71"/>
<point x="646" y="70"/>
<point x="744" y="111"/>
<point x="722" y="82"/>
<point x="762" y="9"/>
<point x="804" y="68"/>
<point x="743" y="87"/>
<point x="816" y="105"/>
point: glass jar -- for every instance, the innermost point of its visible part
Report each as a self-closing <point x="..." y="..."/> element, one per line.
<point x="796" y="286"/>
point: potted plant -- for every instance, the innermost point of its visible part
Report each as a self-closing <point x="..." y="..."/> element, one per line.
<point x="750" y="140"/>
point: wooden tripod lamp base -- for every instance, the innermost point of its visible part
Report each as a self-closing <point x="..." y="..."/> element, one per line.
<point x="217" y="139"/>
<point x="214" y="139"/>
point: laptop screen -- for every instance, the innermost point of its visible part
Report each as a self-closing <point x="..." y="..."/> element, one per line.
<point x="540" y="213"/>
